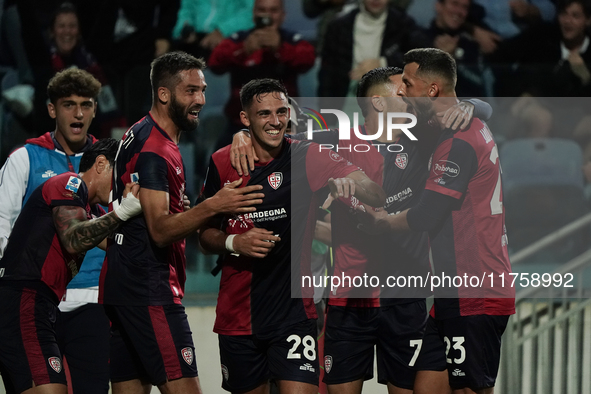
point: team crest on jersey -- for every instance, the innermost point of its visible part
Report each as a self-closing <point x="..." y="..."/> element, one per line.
<point x="327" y="363"/>
<point x="275" y="180"/>
<point x="55" y="363"/>
<point x="335" y="156"/>
<point x="401" y="160"/>
<point x="187" y="354"/>
<point x="225" y="372"/>
<point x="73" y="184"/>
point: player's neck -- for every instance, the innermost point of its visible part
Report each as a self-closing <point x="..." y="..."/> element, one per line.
<point x="70" y="148"/>
<point x="90" y="186"/>
<point x="266" y="154"/>
<point x="160" y="116"/>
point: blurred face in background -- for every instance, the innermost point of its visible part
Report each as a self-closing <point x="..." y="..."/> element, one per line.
<point x="271" y="8"/>
<point x="573" y="22"/>
<point x="65" y="32"/>
<point x="375" y="7"/>
<point x="451" y="14"/>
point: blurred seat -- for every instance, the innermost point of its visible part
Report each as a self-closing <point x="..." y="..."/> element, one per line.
<point x="543" y="191"/>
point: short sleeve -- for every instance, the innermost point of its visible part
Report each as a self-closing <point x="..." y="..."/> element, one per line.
<point x="452" y="166"/>
<point x="64" y="191"/>
<point x="152" y="171"/>
<point x="323" y="164"/>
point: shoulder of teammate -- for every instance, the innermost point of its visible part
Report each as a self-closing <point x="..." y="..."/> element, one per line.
<point x="65" y="189"/>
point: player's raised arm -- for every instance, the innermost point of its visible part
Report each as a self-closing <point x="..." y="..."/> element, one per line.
<point x="359" y="185"/>
<point x="166" y="228"/>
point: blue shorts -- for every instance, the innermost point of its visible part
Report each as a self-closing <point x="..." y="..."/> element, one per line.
<point x="469" y="347"/>
<point x="352" y="333"/>
<point x="287" y="353"/>
<point x="150" y="343"/>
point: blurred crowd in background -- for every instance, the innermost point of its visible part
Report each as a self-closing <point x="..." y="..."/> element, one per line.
<point x="529" y="50"/>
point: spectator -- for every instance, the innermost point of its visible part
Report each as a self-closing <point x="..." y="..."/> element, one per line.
<point x="447" y="33"/>
<point x="553" y="59"/>
<point x="372" y="35"/>
<point x="67" y="50"/>
<point x="265" y="51"/>
<point x="202" y="24"/>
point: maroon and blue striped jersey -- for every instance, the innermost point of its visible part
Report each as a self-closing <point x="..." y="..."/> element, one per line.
<point x="136" y="271"/>
<point x="34" y="252"/>
<point x="257" y="295"/>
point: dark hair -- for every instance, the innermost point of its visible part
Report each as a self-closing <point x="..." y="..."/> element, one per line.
<point x="257" y="87"/>
<point x="64" y="8"/>
<point x="106" y="147"/>
<point x="72" y="81"/>
<point x="562" y="5"/>
<point x="434" y="61"/>
<point x="166" y="69"/>
<point x="375" y="77"/>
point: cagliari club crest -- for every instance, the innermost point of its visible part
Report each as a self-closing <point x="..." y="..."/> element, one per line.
<point x="327" y="363"/>
<point x="55" y="363"/>
<point x="275" y="180"/>
<point x="401" y="160"/>
<point x="187" y="354"/>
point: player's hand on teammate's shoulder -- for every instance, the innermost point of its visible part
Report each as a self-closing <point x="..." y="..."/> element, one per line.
<point x="242" y="154"/>
<point x="130" y="204"/>
<point x="371" y="220"/>
<point x="233" y="199"/>
<point x="256" y="242"/>
<point x="459" y="116"/>
<point x="341" y="187"/>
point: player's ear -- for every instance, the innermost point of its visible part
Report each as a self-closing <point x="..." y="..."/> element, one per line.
<point x="244" y="119"/>
<point x="51" y="110"/>
<point x="163" y="95"/>
<point x="101" y="163"/>
<point x="433" y="90"/>
<point x="378" y="103"/>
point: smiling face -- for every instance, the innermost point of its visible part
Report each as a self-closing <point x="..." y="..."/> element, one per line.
<point x="451" y="14"/>
<point x="573" y="22"/>
<point x="65" y="32"/>
<point x="73" y="116"/>
<point x="413" y="91"/>
<point x="187" y="100"/>
<point x="267" y="118"/>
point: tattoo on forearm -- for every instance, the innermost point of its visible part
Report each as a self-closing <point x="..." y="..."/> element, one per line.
<point x="78" y="234"/>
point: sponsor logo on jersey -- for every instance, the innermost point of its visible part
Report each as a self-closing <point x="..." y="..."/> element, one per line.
<point x="73" y="184"/>
<point x="275" y="180"/>
<point x="458" y="372"/>
<point x="271" y="213"/>
<point x="401" y="160"/>
<point x="225" y="372"/>
<point x="446" y="167"/>
<point x="48" y="174"/>
<point x="327" y="363"/>
<point x="55" y="363"/>
<point x="307" y="367"/>
<point x="187" y="354"/>
<point x="400" y="196"/>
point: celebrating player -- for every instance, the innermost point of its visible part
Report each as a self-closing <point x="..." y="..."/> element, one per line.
<point x="264" y="333"/>
<point x="462" y="210"/>
<point x="44" y="252"/>
<point x="143" y="277"/>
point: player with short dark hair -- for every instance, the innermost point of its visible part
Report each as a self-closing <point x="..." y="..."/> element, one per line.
<point x="264" y="333"/>
<point x="45" y="250"/>
<point x="143" y="277"/>
<point x="461" y="208"/>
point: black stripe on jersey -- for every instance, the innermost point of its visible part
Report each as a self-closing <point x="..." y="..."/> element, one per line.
<point x="152" y="171"/>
